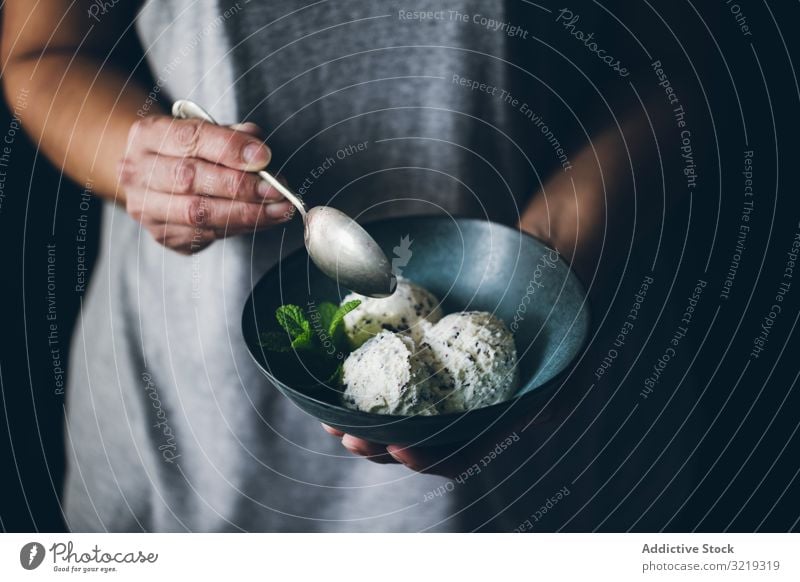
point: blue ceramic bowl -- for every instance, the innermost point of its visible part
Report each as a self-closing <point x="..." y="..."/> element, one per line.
<point x="470" y="265"/>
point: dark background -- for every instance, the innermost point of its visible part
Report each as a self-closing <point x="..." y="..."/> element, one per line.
<point x="749" y="460"/>
<point x="31" y="441"/>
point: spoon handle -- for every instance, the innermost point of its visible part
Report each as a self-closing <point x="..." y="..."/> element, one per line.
<point x="186" y="109"/>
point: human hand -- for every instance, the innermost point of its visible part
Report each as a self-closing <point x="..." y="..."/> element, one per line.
<point x="189" y="183"/>
<point x="446" y="460"/>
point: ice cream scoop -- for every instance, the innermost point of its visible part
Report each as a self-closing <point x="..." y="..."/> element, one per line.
<point x="389" y="375"/>
<point x="475" y="359"/>
<point x="406" y="311"/>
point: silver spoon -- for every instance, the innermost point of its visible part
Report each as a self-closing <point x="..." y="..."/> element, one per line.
<point x="336" y="243"/>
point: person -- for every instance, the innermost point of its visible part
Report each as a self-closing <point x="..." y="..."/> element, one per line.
<point x="376" y="110"/>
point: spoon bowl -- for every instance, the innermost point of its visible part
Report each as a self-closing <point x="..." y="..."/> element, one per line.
<point x="346" y="253"/>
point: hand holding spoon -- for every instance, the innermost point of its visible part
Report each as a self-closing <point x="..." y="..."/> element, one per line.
<point x="336" y="243"/>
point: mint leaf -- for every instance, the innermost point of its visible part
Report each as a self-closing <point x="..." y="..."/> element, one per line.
<point x="337" y="377"/>
<point x="274" y="341"/>
<point x="304" y="341"/>
<point x="327" y="311"/>
<point x="294" y="321"/>
<point x="306" y="330"/>
<point x="338" y="318"/>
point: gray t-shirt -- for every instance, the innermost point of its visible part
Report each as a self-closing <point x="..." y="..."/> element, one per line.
<point x="170" y="426"/>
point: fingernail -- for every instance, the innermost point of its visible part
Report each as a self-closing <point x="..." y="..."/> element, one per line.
<point x="392" y="451"/>
<point x="330" y="430"/>
<point x="256" y="154"/>
<point x="350" y="448"/>
<point x="282" y="210"/>
<point x="248" y="127"/>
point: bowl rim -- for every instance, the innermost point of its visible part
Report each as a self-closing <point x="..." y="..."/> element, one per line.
<point x="537" y="392"/>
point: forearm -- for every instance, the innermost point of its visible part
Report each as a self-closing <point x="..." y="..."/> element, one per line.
<point x="79" y="111"/>
<point x="588" y="211"/>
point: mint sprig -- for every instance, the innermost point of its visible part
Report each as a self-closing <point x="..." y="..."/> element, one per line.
<point x="313" y="333"/>
<point x="292" y="319"/>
